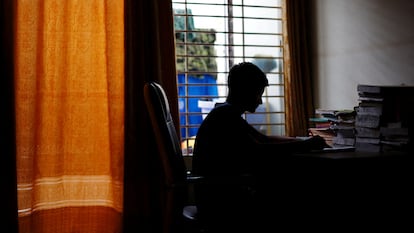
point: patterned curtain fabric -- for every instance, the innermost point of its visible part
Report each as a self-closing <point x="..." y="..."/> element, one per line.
<point x="298" y="85"/>
<point x="69" y="100"/>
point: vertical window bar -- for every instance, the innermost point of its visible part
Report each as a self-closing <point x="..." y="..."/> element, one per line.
<point x="186" y="67"/>
<point x="230" y="31"/>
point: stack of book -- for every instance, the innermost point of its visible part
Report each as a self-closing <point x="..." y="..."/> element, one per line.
<point x="384" y="118"/>
<point x="335" y="126"/>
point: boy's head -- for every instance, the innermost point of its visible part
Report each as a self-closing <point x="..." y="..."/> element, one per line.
<point x="246" y="83"/>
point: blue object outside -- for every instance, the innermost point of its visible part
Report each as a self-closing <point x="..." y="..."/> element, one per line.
<point x="207" y="91"/>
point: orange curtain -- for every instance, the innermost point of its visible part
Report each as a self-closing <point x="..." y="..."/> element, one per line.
<point x="69" y="100"/>
<point x="298" y="84"/>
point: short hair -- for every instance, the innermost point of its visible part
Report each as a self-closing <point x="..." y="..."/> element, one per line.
<point x="246" y="76"/>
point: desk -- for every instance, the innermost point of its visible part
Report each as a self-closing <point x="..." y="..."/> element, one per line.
<point x="355" y="163"/>
<point x="347" y="188"/>
<point x="357" y="154"/>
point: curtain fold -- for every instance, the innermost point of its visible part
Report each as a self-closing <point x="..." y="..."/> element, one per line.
<point x="298" y="84"/>
<point x="69" y="85"/>
<point x="150" y="56"/>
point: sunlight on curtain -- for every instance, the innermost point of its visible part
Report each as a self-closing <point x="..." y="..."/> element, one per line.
<point x="69" y="91"/>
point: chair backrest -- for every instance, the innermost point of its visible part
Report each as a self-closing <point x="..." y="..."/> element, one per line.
<point x="168" y="141"/>
<point x="174" y="191"/>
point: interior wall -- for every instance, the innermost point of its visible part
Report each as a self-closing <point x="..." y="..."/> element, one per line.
<point x="360" y="41"/>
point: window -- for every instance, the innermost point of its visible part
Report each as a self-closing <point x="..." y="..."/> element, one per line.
<point x="212" y="36"/>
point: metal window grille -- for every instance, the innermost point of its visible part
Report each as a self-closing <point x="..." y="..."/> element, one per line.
<point x="212" y="36"/>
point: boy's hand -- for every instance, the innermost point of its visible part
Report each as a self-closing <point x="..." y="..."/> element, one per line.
<point x="316" y="143"/>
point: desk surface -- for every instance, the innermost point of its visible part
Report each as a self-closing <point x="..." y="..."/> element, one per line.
<point x="354" y="154"/>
